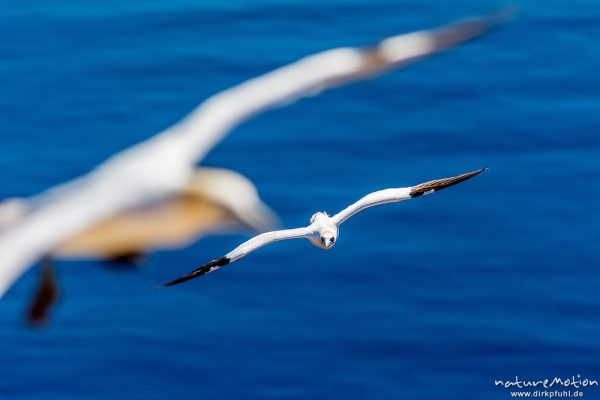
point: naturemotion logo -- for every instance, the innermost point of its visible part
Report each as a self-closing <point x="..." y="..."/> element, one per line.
<point x="562" y="387"/>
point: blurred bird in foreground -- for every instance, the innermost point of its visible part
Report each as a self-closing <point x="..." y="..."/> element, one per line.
<point x="161" y="167"/>
<point x="216" y="200"/>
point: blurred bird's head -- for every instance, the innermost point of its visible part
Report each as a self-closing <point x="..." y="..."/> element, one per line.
<point x="235" y="193"/>
<point x="12" y="211"/>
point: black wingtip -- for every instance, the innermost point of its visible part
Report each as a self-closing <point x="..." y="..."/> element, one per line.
<point x="46" y="295"/>
<point x="494" y="18"/>
<point x="205" y="269"/>
<point x="470" y="28"/>
<point x="439" y="184"/>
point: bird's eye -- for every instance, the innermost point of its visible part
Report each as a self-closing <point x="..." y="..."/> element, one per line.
<point x="322" y="240"/>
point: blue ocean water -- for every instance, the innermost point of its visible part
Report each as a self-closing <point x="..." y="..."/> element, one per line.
<point x="428" y="299"/>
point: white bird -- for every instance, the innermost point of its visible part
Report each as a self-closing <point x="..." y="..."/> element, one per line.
<point x="162" y="166"/>
<point x="215" y="201"/>
<point x="323" y="230"/>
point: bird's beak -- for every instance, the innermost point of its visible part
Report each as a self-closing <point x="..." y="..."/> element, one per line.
<point x="328" y="243"/>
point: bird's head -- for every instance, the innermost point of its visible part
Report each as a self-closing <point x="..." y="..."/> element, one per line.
<point x="327" y="240"/>
<point x="325" y="230"/>
<point x="234" y="193"/>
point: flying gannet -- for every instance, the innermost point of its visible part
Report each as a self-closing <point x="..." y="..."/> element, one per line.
<point x="323" y="230"/>
<point x="215" y="201"/>
<point x="161" y="166"/>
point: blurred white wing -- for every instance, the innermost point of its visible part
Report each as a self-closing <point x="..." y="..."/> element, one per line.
<point x="160" y="166"/>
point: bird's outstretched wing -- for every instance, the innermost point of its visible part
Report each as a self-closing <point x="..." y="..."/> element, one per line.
<point x="399" y="194"/>
<point x="244" y="249"/>
<point x="161" y="166"/>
